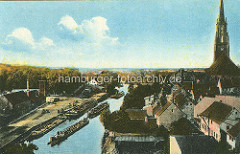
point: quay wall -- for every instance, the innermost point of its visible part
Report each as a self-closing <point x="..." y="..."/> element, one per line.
<point x="22" y="137"/>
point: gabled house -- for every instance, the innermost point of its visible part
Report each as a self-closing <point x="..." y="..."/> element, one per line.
<point x="217" y="119"/>
<point x="184" y="104"/>
<point x="177" y="106"/>
<point x="17" y="103"/>
<point x="153" y="103"/>
<point x="207" y="101"/>
<point x="233" y="136"/>
<point x="168" y="114"/>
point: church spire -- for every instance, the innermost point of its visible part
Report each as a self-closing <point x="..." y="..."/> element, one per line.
<point x="221" y="37"/>
<point x="221" y="11"/>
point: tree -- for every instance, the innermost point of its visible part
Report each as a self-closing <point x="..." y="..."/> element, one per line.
<point x="22" y="148"/>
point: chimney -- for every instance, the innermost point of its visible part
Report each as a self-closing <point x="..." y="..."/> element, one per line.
<point x="28" y="87"/>
<point x="42" y="91"/>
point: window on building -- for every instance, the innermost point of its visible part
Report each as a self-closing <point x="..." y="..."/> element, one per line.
<point x="227" y="127"/>
<point x="216" y="136"/>
<point x="172" y="110"/>
<point x="211" y="121"/>
<point x="211" y="132"/>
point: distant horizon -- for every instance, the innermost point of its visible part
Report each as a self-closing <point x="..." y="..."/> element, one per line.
<point x="101" y="68"/>
<point x="115" y="34"/>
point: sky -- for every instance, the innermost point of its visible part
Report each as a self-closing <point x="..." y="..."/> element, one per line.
<point x="115" y="34"/>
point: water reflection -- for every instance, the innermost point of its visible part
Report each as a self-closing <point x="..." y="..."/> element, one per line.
<point x="88" y="140"/>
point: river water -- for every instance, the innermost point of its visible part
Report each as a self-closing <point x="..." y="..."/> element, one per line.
<point x="87" y="140"/>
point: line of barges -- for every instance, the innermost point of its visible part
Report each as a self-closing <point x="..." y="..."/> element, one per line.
<point x="63" y="135"/>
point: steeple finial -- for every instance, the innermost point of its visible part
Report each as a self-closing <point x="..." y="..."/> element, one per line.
<point x="221" y="10"/>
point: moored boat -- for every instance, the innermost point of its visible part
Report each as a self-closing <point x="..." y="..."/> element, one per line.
<point x="44" y="129"/>
<point x="74" y="114"/>
<point x="78" y="110"/>
<point x="97" y="110"/>
<point x="118" y="95"/>
<point x="62" y="135"/>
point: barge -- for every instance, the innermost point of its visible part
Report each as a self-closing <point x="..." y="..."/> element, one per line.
<point x="78" y="110"/>
<point x="63" y="135"/>
<point x="97" y="110"/>
<point x="118" y="95"/>
<point x="45" y="128"/>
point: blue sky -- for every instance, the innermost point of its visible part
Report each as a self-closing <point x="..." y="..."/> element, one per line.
<point x="129" y="34"/>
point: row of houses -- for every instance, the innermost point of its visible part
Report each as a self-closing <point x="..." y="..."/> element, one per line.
<point x="220" y="117"/>
<point x="167" y="109"/>
<point x="175" y="112"/>
<point x="210" y="107"/>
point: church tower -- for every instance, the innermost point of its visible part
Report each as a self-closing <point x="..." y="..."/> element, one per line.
<point x="221" y="37"/>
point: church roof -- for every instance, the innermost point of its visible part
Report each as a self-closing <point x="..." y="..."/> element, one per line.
<point x="223" y="66"/>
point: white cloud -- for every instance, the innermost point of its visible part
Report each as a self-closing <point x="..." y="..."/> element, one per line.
<point x="46" y="42"/>
<point x="22" y="39"/>
<point x="20" y="47"/>
<point x="95" y="29"/>
<point x="69" y="23"/>
<point x="22" y="34"/>
<point x="94" y="43"/>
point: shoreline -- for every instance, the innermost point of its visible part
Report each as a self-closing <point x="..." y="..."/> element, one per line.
<point x="22" y="128"/>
